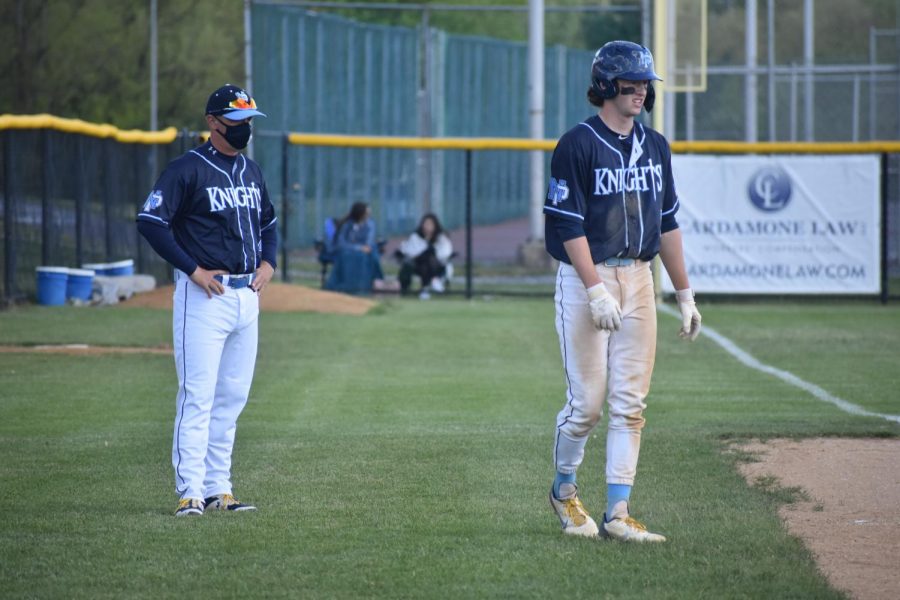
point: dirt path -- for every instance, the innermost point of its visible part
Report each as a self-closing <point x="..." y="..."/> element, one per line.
<point x="277" y="297"/>
<point x="851" y="522"/>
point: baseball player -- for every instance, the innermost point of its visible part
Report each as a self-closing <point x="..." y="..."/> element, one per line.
<point x="610" y="209"/>
<point x="209" y="215"/>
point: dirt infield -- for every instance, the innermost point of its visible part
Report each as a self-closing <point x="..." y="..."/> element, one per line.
<point x="851" y="519"/>
<point x="277" y="297"/>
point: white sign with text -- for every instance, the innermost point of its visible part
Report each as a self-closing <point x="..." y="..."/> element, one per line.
<point x="780" y="224"/>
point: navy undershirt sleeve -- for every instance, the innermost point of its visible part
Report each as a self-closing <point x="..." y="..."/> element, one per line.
<point x="567" y="229"/>
<point x="269" y="239"/>
<point x="163" y="241"/>
<point x="670" y="200"/>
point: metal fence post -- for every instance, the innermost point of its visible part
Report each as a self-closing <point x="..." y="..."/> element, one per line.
<point x="285" y="145"/>
<point x="80" y="182"/>
<point x="794" y="101"/>
<point x="884" y="228"/>
<point x="469" y="224"/>
<point x="9" y="219"/>
<point x="770" y="56"/>
<point x="873" y="59"/>
<point x="45" y="197"/>
<point x="107" y="191"/>
<point x="424" y="91"/>
<point x="139" y="157"/>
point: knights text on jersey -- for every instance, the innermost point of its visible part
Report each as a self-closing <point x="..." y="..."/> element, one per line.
<point x="217" y="207"/>
<point x="617" y="192"/>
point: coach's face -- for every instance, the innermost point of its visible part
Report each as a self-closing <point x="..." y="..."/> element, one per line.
<point x="227" y="134"/>
<point x="630" y="99"/>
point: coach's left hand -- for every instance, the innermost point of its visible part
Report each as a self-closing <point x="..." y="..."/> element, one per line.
<point x="690" y="317"/>
<point x="262" y="277"/>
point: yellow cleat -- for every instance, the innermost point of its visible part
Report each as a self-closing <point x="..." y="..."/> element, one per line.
<point x="188" y="507"/>
<point x="572" y="516"/>
<point x="627" y="529"/>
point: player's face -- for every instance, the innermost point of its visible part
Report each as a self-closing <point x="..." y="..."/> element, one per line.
<point x="428" y="227"/>
<point x="630" y="99"/>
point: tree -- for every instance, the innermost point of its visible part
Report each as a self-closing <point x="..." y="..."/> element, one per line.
<point x="89" y="59"/>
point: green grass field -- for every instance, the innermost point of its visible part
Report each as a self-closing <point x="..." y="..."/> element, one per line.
<point x="407" y="454"/>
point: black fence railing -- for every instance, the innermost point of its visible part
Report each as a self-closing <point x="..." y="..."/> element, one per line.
<point x="70" y="199"/>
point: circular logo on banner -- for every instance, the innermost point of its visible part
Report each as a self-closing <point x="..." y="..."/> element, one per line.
<point x="770" y="189"/>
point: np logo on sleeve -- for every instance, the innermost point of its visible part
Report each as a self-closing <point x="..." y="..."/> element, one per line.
<point x="154" y="200"/>
<point x="558" y="192"/>
<point x="770" y="189"/>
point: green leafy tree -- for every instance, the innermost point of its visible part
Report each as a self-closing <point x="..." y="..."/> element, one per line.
<point x="90" y="59"/>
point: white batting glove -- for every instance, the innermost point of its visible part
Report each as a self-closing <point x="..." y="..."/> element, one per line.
<point x="605" y="311"/>
<point x="690" y="317"/>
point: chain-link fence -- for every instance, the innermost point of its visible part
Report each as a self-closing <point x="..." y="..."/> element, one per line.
<point x="322" y="73"/>
<point x="891" y="227"/>
<point x="851" y="103"/>
<point x="70" y="199"/>
<point x="319" y="73"/>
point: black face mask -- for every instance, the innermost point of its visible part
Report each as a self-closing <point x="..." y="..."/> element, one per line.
<point x="237" y="136"/>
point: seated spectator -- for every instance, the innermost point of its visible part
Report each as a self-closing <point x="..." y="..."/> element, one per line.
<point x="357" y="265"/>
<point x="426" y="253"/>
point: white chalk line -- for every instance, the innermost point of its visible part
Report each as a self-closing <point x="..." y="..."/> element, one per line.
<point x="749" y="360"/>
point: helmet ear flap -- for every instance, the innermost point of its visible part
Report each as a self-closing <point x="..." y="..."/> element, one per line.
<point x="650" y="100"/>
<point x="605" y="88"/>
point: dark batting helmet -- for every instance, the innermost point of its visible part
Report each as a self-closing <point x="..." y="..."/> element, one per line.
<point x="622" y="60"/>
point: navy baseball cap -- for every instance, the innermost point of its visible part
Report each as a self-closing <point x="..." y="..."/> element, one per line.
<point x="233" y="103"/>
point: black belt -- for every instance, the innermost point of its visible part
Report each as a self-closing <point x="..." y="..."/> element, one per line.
<point x="235" y="282"/>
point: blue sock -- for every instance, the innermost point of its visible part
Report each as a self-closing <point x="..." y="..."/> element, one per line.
<point x="561" y="478"/>
<point x="615" y="493"/>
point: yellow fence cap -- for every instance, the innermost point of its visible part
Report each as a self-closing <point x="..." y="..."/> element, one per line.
<point x="101" y="130"/>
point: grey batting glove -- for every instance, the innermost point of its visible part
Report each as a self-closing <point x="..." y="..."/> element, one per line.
<point x="605" y="311"/>
<point x="690" y="317"/>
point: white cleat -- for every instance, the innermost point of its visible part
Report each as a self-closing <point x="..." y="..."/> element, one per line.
<point x="626" y="529"/>
<point x="572" y="516"/>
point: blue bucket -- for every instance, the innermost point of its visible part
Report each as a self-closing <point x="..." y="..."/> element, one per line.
<point x="51" y="285"/>
<point x="122" y="267"/>
<point x="79" y="284"/>
<point x="97" y="268"/>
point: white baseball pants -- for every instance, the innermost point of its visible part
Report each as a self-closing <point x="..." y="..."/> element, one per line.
<point x="600" y="365"/>
<point x="215" y="353"/>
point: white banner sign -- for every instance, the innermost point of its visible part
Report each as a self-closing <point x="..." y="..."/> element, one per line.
<point x="780" y="225"/>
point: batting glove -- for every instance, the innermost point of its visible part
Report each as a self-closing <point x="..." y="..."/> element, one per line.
<point x="690" y="318"/>
<point x="605" y="310"/>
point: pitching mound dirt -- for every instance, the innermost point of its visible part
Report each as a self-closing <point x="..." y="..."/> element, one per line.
<point x="851" y="521"/>
<point x="277" y="297"/>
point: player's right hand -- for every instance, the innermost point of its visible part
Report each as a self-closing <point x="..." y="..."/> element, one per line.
<point x="690" y="316"/>
<point x="206" y="280"/>
<point x="605" y="311"/>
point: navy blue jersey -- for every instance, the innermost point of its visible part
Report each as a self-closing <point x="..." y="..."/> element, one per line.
<point x="217" y="207"/>
<point x="617" y="192"/>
